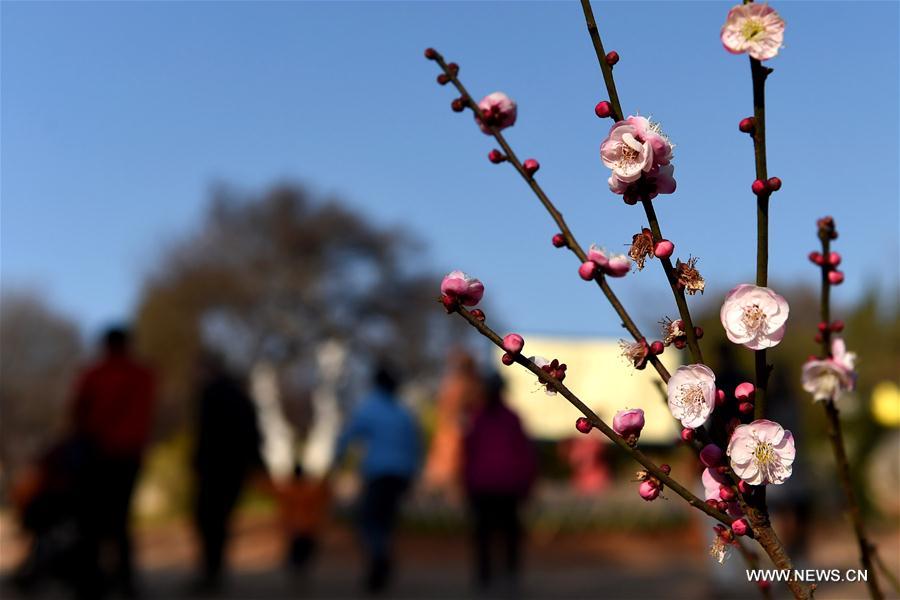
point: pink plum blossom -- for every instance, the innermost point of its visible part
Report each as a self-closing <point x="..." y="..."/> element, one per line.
<point x="629" y="422"/>
<point x="826" y="378"/>
<point x="612" y="264"/>
<point x="754" y="316"/>
<point x="712" y="482"/>
<point x="460" y="287"/>
<point x="756" y="29"/>
<point x="649" y="490"/>
<point x="500" y="111"/>
<point x="639" y="156"/>
<point x="762" y="452"/>
<point x="692" y="394"/>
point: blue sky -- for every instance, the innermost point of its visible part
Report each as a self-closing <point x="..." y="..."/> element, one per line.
<point x="117" y="118"/>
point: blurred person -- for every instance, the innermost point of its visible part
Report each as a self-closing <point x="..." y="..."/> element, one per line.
<point x="303" y="502"/>
<point x="392" y="452"/>
<point x="111" y="417"/>
<point x="227" y="452"/>
<point x="500" y="467"/>
<point x="460" y="390"/>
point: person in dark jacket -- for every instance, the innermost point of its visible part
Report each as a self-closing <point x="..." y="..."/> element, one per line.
<point x="227" y="451"/>
<point x="500" y="466"/>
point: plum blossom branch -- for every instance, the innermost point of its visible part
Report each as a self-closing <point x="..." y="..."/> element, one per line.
<point x="828" y="261"/>
<point x="615" y="112"/>
<point x="450" y="73"/>
<point x="552" y="382"/>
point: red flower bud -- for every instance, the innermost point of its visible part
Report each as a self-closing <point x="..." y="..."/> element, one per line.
<point x="687" y="434"/>
<point x="740" y="527"/>
<point x="837" y="326"/>
<point x="834" y="259"/>
<point x="822" y="327"/>
<point x="665" y="468"/>
<point x="443" y="79"/>
<point x="453" y="68"/>
<point x="478" y="314"/>
<point x="835" y="277"/>
<point x="818" y="338"/>
<point x="747" y="125"/>
<point x="507" y="359"/>
<point x="663" y="249"/>
<point x="612" y="57"/>
<point x="496" y="157"/>
<point x="603" y="109"/>
<point x="720" y="397"/>
<point x="587" y="270"/>
<point x="458" y="105"/>
<point x="745" y="408"/>
<point x="758" y="187"/>
<point x="743" y="486"/>
<point x="583" y="425"/>
<point x="559" y="240"/>
<point x="431" y="53"/>
<point x="657" y="347"/>
<point x="816" y="257"/>
<point x="698" y="332"/>
<point x="679" y="343"/>
<point x="774" y="184"/>
<point x="726" y="493"/>
<point x="531" y="166"/>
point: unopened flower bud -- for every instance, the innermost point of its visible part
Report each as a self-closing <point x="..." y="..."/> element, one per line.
<point x="453" y="68"/>
<point x="818" y="338"/>
<point x="629" y="423"/>
<point x="834" y="259"/>
<point x="458" y="105"/>
<point x="747" y="125"/>
<point x="835" y="277"/>
<point x="720" y="397"/>
<point x="663" y="249"/>
<point x="773" y="184"/>
<point x="711" y="455"/>
<point x="507" y="359"/>
<point x="722" y="506"/>
<point x="745" y="391"/>
<point x="822" y="326"/>
<point x="430" y="53"/>
<point x="443" y="79"/>
<point x="817" y="258"/>
<point x="758" y="187"/>
<point x="837" y="326"/>
<point x="745" y="408"/>
<point x="665" y="468"/>
<point x="743" y="486"/>
<point x="559" y="240"/>
<point x="649" y="490"/>
<point x="698" y="332"/>
<point x="657" y="347"/>
<point x="531" y="166"/>
<point x="478" y="314"/>
<point x="687" y="434"/>
<point x="513" y="343"/>
<point x="587" y="270"/>
<point x="740" y="527"/>
<point x="727" y="493"/>
<point x="583" y="425"/>
<point x="679" y="343"/>
<point x="496" y="157"/>
<point x="603" y="109"/>
<point x="612" y="57"/>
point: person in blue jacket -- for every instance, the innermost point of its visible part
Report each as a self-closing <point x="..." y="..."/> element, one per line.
<point x="391" y="445"/>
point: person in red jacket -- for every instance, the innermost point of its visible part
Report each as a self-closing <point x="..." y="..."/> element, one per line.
<point x="111" y="416"/>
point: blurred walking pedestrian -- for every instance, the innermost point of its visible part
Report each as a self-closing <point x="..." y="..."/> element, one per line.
<point x="303" y="503"/>
<point x="227" y="452"/>
<point x="500" y="469"/>
<point x="390" y="435"/>
<point x="460" y="391"/>
<point x="112" y="413"/>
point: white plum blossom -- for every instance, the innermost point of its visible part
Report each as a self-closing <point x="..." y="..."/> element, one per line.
<point x="827" y="378"/>
<point x="754" y="316"/>
<point x="762" y="452"/>
<point x="692" y="394"/>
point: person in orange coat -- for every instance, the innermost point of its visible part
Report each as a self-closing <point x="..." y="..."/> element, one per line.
<point x="111" y="416"/>
<point x="303" y="504"/>
<point x="461" y="391"/>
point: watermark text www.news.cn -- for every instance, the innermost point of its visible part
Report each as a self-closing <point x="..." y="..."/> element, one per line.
<point x="807" y="575"/>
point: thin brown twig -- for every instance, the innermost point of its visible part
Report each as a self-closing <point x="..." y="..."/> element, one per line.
<point x="835" y="435"/>
<point x="571" y="243"/>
